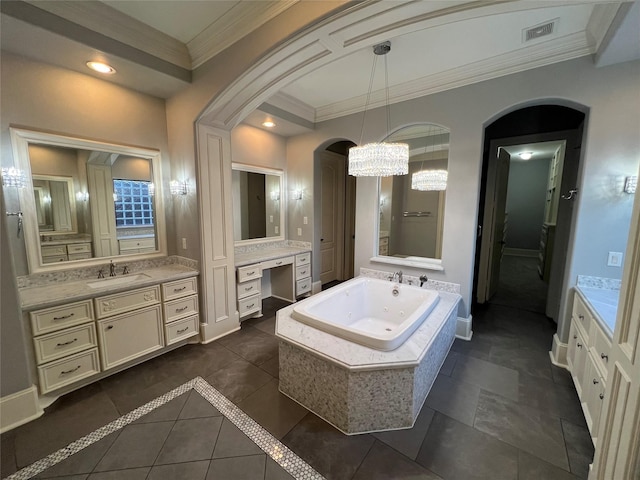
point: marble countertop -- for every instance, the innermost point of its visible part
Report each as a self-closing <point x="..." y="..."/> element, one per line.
<point x="353" y="356"/>
<point x="65" y="241"/>
<point x="32" y="298"/>
<point x="603" y="303"/>
<point x="263" y="255"/>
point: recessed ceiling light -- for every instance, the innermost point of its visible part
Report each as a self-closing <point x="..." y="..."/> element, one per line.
<point x="526" y="155"/>
<point x="101" y="67"/>
<point x="268" y="124"/>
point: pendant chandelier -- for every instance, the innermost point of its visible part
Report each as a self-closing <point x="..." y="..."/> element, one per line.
<point x="429" y="180"/>
<point x="379" y="159"/>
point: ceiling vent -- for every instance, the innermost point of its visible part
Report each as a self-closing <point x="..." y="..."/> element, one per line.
<point x="542" y="30"/>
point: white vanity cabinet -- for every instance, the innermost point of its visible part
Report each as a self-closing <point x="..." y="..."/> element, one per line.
<point x="65" y="344"/>
<point x="130" y="325"/>
<point x="128" y="246"/>
<point x="248" y="289"/>
<point x="181" y="319"/>
<point x="64" y="252"/>
<point x="303" y="274"/>
<point x="587" y="358"/>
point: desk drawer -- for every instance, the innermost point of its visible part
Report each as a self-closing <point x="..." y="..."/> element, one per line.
<point x="179" y="288"/>
<point x="303" y="272"/>
<point x="249" y="305"/>
<point x="56" y="318"/>
<point x="182" y="329"/>
<point x="303" y="259"/>
<point x="303" y="286"/>
<point x="247" y="289"/>
<point x="127" y="301"/>
<point x="278" y="262"/>
<point x="180" y="308"/>
<point x="249" y="272"/>
<point x="65" y="342"/>
<point x="68" y="370"/>
<point x="79" y="248"/>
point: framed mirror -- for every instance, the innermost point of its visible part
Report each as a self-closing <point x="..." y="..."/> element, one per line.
<point x="258" y="215"/>
<point x="411" y="207"/>
<point x="87" y="201"/>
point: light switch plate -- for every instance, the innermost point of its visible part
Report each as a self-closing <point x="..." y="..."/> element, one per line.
<point x="184" y="243"/>
<point x="615" y="259"/>
<point x="305" y="220"/>
<point x="299" y="232"/>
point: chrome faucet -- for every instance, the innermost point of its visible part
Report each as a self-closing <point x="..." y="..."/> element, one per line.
<point x="125" y="270"/>
<point x="423" y="279"/>
<point x="112" y="269"/>
<point x="101" y="273"/>
<point x="397" y="275"/>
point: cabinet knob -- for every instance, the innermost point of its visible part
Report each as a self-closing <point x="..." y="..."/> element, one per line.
<point x="601" y="396"/>
<point x="595" y="382"/>
<point x="575" y="336"/>
<point x="579" y="345"/>
<point x="581" y="317"/>
<point x="109" y="327"/>
<point x="604" y="357"/>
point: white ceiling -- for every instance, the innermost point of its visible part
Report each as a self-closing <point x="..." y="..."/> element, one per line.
<point x="154" y="45"/>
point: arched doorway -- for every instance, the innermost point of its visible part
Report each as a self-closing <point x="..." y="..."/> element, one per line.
<point x="334" y="213"/>
<point x="555" y="125"/>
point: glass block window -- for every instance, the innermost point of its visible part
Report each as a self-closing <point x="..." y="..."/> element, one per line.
<point x="134" y="203"/>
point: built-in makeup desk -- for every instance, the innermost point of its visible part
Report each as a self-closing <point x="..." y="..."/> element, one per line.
<point x="283" y="272"/>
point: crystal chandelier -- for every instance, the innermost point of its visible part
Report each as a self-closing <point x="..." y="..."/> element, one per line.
<point x="379" y="159"/>
<point x="429" y="180"/>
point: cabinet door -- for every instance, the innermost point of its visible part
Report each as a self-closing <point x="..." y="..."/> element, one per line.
<point x="130" y="335"/>
<point x="593" y="395"/>
<point x="576" y="357"/>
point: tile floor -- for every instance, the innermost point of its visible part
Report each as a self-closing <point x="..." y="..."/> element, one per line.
<point x="499" y="409"/>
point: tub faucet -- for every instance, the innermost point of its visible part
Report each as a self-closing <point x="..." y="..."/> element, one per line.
<point x="112" y="269"/>
<point x="398" y="275"/>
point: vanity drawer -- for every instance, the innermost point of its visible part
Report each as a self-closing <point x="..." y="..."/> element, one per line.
<point x="582" y="315"/>
<point x="66" y="342"/>
<point x="63" y="372"/>
<point x="79" y="248"/>
<point x="278" y="262"/>
<point x="127" y="301"/>
<point x="247" y="289"/>
<point x="79" y="256"/>
<point x="54" y="259"/>
<point x="54" y="250"/>
<point x="181" y="329"/>
<point x="303" y="272"/>
<point x="56" y="318"/>
<point x="180" y="308"/>
<point x="601" y="348"/>
<point x="137" y="243"/>
<point x="249" y="305"/>
<point x="249" y="273"/>
<point x="303" y="286"/>
<point x="383" y="241"/>
<point x="303" y="258"/>
<point x="179" y="288"/>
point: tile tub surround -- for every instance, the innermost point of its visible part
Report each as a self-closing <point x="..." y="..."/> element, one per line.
<point x="171" y="454"/>
<point x="358" y="389"/>
<point x="431" y="284"/>
<point x="70" y="290"/>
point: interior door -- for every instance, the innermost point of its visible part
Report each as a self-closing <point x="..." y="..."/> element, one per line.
<point x="494" y="226"/>
<point x="332" y="171"/>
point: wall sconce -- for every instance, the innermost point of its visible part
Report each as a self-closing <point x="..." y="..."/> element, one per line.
<point x="13" y="177"/>
<point x="178" y="188"/>
<point x="275" y="196"/>
<point x="297" y="194"/>
<point x="630" y="184"/>
<point x="82" y="196"/>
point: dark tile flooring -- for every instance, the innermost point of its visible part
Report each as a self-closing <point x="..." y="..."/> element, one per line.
<point x="498" y="409"/>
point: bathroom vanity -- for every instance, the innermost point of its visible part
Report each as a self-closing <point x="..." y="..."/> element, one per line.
<point x="289" y="271"/>
<point x="86" y="329"/>
<point x="592" y="324"/>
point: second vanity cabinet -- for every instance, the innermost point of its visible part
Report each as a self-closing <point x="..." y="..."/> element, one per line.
<point x="79" y="340"/>
<point x="587" y="358"/>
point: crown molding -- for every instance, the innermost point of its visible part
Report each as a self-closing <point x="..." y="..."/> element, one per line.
<point x="103" y="19"/>
<point x="600" y="22"/>
<point x="292" y="105"/>
<point x="236" y="23"/>
<point x="539" y="55"/>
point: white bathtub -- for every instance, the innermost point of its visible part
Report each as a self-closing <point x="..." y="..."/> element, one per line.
<point x="366" y="311"/>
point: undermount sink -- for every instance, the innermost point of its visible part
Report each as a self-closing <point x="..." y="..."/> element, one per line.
<point x="115" y="281"/>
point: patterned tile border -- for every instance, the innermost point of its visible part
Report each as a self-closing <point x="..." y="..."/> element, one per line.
<point x="431" y="284"/>
<point x="280" y="453"/>
<point x="599" y="282"/>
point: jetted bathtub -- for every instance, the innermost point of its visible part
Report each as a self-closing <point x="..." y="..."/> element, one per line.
<point x="375" y="313"/>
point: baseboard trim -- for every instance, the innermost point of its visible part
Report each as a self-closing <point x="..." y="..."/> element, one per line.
<point x="205" y="331"/>
<point x="316" y="287"/>
<point x="463" y="328"/>
<point x="558" y="353"/>
<point x="19" y="408"/>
